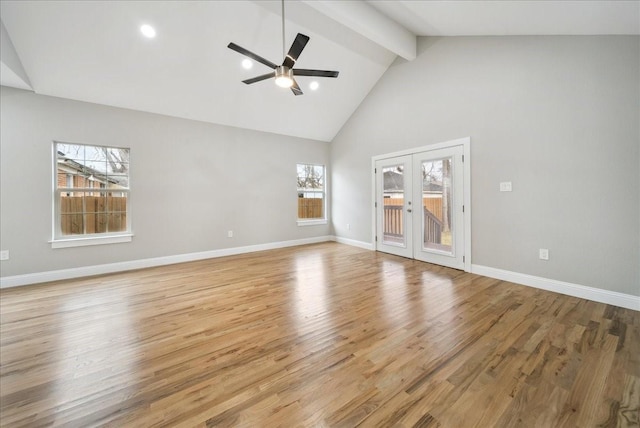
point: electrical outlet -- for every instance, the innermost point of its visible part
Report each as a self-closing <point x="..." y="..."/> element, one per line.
<point x="348" y="226"/>
<point x="4" y="255"/>
<point x="543" y="254"/>
<point x="230" y="234"/>
<point x="505" y="186"/>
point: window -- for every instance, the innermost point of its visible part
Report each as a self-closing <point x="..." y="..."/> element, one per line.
<point x="91" y="195"/>
<point x="311" y="194"/>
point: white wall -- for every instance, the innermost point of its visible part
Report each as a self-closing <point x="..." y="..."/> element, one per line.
<point x="557" y="116"/>
<point x="191" y="182"/>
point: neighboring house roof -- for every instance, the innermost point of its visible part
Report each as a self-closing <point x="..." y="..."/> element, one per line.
<point x="430" y="186"/>
<point x="394" y="182"/>
<point x="83" y="169"/>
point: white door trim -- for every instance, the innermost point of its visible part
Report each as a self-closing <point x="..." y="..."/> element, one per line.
<point x="466" y="147"/>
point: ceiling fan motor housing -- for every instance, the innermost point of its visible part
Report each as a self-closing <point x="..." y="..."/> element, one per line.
<point x="284" y="76"/>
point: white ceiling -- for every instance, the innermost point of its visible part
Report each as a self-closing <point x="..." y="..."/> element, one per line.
<point x="514" y="18"/>
<point x="93" y="51"/>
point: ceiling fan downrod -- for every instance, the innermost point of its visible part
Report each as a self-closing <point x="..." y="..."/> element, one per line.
<point x="283" y="51"/>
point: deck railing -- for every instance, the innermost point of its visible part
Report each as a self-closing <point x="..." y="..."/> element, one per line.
<point x="432" y="228"/>
<point x="392" y="220"/>
<point x="393" y="227"/>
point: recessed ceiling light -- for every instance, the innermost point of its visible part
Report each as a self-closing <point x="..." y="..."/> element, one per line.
<point x="247" y="64"/>
<point x="314" y="85"/>
<point x="148" y="31"/>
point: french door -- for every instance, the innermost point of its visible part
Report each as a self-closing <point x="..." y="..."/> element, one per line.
<point x="394" y="193"/>
<point x="420" y="206"/>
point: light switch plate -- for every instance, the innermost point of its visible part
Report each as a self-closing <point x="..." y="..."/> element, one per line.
<point x="4" y="255"/>
<point x="505" y="186"/>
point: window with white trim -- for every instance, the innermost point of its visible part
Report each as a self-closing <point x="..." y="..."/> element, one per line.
<point x="311" y="193"/>
<point x="91" y="192"/>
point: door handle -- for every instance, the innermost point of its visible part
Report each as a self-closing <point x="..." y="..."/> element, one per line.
<point x="409" y="210"/>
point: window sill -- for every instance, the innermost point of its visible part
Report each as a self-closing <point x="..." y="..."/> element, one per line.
<point x="93" y="240"/>
<point x="311" y="222"/>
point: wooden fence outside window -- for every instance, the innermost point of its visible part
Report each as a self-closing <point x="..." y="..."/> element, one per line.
<point x="309" y="208"/>
<point x="92" y="214"/>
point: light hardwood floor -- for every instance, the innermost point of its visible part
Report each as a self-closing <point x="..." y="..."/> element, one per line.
<point x="313" y="336"/>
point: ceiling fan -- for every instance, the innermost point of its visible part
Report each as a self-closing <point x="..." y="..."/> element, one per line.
<point x="284" y="73"/>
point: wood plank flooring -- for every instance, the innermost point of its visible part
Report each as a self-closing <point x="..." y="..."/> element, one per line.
<point x="323" y="335"/>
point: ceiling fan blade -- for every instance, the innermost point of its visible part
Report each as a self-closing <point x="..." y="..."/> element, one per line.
<point x="318" y="73"/>
<point x="295" y="88"/>
<point x="296" y="48"/>
<point x="251" y="55"/>
<point x="259" y="78"/>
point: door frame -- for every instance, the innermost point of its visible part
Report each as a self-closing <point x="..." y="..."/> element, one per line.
<point x="466" y="150"/>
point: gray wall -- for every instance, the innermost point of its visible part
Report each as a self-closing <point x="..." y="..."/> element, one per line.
<point x="557" y="116"/>
<point x="191" y="182"/>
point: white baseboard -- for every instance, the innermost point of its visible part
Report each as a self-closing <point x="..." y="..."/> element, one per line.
<point x="57" y="275"/>
<point x="590" y="293"/>
<point x="354" y="243"/>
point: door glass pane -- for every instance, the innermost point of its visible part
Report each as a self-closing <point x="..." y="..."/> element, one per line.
<point x="436" y="202"/>
<point x="393" y="199"/>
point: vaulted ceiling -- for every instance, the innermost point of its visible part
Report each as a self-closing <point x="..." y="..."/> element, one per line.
<point x="93" y="51"/>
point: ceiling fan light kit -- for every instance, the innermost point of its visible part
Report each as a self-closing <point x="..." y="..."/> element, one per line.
<point x="284" y="73"/>
<point x="284" y="76"/>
